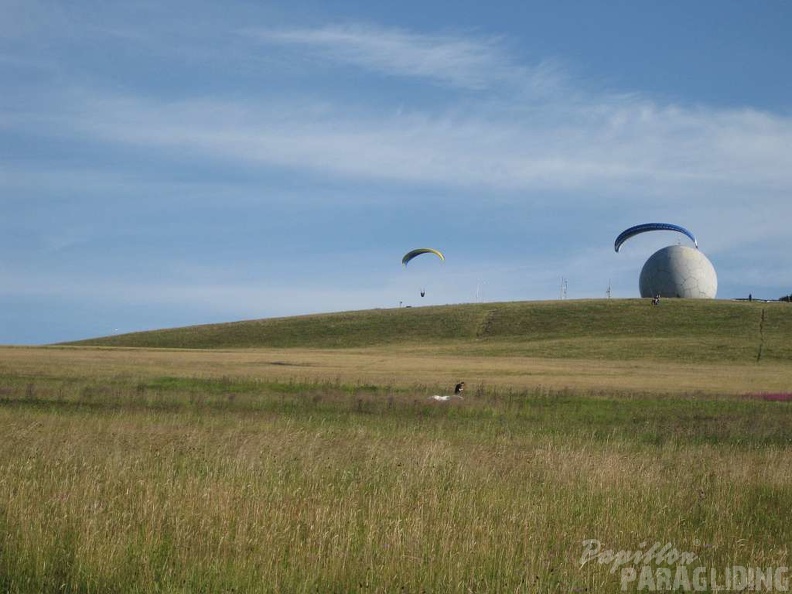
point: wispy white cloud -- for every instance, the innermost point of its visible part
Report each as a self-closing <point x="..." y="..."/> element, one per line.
<point x="463" y="61"/>
<point x="625" y="146"/>
<point x="616" y="147"/>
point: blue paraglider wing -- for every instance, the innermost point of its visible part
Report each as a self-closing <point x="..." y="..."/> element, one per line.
<point x="627" y="233"/>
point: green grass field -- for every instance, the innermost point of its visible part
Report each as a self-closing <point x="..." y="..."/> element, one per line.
<point x="303" y="454"/>
<point x="696" y="331"/>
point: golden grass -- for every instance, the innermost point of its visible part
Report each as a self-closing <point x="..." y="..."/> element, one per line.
<point x="405" y="367"/>
<point x="108" y="484"/>
<point x="267" y="503"/>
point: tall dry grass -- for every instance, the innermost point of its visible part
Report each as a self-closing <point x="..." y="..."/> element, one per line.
<point x="402" y="367"/>
<point x="310" y="471"/>
<point x="195" y="497"/>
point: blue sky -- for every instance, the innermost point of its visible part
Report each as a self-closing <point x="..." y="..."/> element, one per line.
<point x="181" y="162"/>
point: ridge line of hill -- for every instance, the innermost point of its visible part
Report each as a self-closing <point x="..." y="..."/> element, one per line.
<point x="680" y="329"/>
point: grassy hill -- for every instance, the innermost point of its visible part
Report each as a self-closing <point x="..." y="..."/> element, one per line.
<point x="687" y="330"/>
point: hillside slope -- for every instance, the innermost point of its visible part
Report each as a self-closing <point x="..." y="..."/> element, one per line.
<point x="608" y="329"/>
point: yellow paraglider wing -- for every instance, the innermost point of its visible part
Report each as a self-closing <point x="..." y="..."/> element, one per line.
<point x="417" y="252"/>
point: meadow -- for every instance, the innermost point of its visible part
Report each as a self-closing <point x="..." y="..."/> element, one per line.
<point x="314" y="462"/>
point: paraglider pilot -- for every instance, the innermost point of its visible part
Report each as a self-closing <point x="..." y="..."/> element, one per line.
<point x="459" y="388"/>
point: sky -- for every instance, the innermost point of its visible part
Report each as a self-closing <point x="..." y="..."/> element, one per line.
<point x="177" y="162"/>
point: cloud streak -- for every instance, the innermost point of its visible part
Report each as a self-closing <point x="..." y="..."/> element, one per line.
<point x="464" y="62"/>
<point x="616" y="147"/>
<point x="616" y="144"/>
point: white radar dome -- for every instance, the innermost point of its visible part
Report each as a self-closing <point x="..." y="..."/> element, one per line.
<point x="678" y="271"/>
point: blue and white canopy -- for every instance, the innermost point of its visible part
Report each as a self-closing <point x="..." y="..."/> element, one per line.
<point x="627" y="233"/>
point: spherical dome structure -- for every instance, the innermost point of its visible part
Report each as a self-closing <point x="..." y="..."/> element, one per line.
<point x="678" y="271"/>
